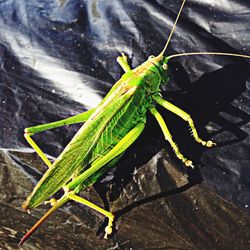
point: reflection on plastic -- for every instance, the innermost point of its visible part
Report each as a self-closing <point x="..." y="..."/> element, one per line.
<point x="57" y="55"/>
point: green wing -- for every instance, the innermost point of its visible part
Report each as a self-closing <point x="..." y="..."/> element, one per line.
<point x="77" y="153"/>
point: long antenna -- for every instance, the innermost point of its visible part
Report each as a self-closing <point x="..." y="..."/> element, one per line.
<point x="208" y="53"/>
<point x="172" y="31"/>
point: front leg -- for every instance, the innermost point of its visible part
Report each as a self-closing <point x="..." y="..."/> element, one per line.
<point x="28" y="132"/>
<point x="123" y="61"/>
<point x="185" y="116"/>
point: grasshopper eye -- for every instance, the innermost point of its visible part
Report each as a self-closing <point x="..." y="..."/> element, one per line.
<point x="150" y="57"/>
<point x="164" y="66"/>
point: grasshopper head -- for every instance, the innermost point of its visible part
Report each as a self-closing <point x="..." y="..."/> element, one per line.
<point x="161" y="63"/>
<point x="159" y="66"/>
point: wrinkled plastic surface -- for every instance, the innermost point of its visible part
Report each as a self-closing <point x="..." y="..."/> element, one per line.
<point x="58" y="58"/>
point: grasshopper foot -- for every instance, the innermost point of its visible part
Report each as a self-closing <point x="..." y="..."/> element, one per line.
<point x="207" y="144"/>
<point x="123" y="61"/>
<point x="52" y="202"/>
<point x="122" y="58"/>
<point x="109" y="229"/>
<point x="210" y="144"/>
<point x="189" y="163"/>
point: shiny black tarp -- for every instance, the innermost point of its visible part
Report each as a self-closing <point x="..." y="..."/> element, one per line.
<point x="58" y="58"/>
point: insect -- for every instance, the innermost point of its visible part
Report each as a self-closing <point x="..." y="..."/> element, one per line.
<point x="108" y="130"/>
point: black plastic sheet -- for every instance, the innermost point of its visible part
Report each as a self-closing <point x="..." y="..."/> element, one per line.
<point x="58" y="58"/>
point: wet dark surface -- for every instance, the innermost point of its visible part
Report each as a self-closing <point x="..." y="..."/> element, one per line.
<point x="58" y="58"/>
<point x="158" y="209"/>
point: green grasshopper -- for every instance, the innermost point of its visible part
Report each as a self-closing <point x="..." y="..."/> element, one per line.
<point x="109" y="129"/>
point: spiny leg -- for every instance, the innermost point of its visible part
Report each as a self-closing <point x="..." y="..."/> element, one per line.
<point x="109" y="215"/>
<point x="123" y="61"/>
<point x="168" y="137"/>
<point x="28" y="132"/>
<point x="185" y="116"/>
<point x="72" y="196"/>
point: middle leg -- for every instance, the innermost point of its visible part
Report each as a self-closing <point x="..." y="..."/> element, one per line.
<point x="168" y="137"/>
